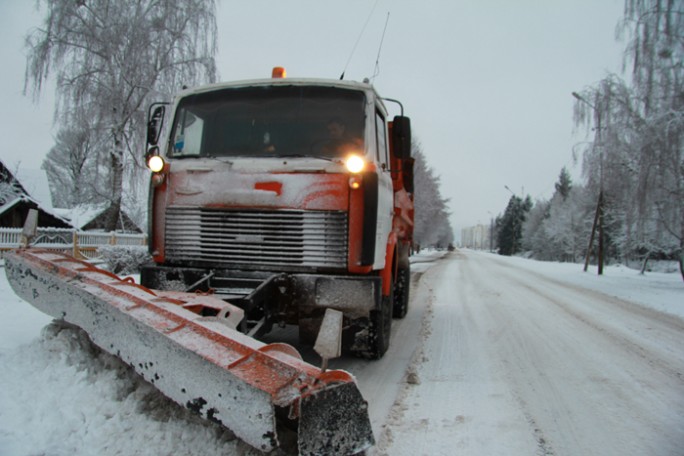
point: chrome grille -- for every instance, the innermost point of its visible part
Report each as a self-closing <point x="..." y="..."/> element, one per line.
<point x="280" y="239"/>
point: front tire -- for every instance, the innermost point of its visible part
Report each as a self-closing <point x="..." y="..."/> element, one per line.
<point x="380" y="327"/>
<point x="401" y="293"/>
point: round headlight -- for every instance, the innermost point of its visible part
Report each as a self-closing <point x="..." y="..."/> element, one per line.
<point x="355" y="164"/>
<point x="155" y="163"/>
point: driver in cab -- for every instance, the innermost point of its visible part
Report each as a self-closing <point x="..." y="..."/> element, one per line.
<point x="339" y="140"/>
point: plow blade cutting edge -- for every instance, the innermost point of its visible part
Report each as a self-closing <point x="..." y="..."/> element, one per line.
<point x="260" y="392"/>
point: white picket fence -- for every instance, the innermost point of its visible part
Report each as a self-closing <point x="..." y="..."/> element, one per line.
<point x="81" y="244"/>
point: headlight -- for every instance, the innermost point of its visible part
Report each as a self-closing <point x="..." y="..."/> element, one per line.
<point x="355" y="164"/>
<point x="155" y="163"/>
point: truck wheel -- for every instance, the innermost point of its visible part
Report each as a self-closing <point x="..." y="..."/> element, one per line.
<point x="380" y="327"/>
<point x="401" y="293"/>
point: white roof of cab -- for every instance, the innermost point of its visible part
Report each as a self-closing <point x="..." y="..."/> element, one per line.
<point x="341" y="84"/>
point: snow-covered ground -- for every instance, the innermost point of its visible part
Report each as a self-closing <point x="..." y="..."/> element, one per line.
<point x="657" y="290"/>
<point x="528" y="358"/>
<point x="496" y="356"/>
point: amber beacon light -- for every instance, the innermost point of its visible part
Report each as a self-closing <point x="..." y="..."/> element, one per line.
<point x="279" y="72"/>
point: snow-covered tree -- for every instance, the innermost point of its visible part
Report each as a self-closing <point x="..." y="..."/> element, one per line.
<point x="568" y="226"/>
<point x="558" y="229"/>
<point x="432" y="226"/>
<point x="111" y="58"/>
<point x="638" y="156"/>
<point x="9" y="189"/>
<point x="534" y="237"/>
<point x="510" y="225"/>
<point x="72" y="167"/>
<point x="564" y="184"/>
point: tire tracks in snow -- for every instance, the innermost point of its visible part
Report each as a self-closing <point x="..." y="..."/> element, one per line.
<point x="411" y="376"/>
<point x="516" y="363"/>
<point x="491" y="296"/>
<point x="625" y="358"/>
<point x="463" y="404"/>
<point x="672" y="326"/>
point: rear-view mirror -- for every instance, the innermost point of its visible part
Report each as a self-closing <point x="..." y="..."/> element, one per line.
<point x="154" y="124"/>
<point x="401" y="137"/>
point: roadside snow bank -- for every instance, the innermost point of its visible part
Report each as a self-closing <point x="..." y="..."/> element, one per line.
<point x="111" y="411"/>
<point x="657" y="290"/>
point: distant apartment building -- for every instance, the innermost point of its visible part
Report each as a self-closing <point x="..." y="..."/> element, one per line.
<point x="476" y="237"/>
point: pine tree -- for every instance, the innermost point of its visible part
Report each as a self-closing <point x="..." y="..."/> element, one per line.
<point x="510" y="227"/>
<point x="564" y="184"/>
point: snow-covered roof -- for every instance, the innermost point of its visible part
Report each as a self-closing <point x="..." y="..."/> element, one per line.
<point x="25" y="198"/>
<point x="35" y="182"/>
<point x="82" y="215"/>
<point x="31" y="185"/>
<point x="9" y="205"/>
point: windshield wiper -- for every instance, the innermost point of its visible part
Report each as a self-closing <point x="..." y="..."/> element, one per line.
<point x="330" y="159"/>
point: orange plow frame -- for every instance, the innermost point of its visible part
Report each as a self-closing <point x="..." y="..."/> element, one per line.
<point x="256" y="390"/>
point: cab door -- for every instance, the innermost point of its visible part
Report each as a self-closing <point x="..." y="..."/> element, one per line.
<point x="385" y="189"/>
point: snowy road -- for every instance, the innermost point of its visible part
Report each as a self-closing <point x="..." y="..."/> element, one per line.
<point x="519" y="363"/>
<point x="497" y="356"/>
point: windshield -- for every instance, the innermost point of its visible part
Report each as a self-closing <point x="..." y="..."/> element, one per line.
<point x="269" y="121"/>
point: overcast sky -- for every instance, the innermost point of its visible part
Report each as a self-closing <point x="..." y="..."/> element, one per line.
<point x="487" y="84"/>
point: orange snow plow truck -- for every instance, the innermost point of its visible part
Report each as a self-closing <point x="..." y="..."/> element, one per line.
<point x="285" y="197"/>
<point x="273" y="202"/>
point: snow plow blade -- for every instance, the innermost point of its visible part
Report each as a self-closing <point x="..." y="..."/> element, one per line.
<point x="262" y="393"/>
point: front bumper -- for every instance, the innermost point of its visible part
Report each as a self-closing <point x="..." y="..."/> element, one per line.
<point x="355" y="296"/>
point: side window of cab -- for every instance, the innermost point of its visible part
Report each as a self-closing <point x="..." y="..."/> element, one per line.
<point x="187" y="136"/>
<point x="381" y="140"/>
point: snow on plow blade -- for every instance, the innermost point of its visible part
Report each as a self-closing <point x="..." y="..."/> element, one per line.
<point x="260" y="392"/>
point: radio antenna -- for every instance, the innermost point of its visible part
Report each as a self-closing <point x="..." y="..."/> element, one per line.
<point x="358" y="39"/>
<point x="377" y="59"/>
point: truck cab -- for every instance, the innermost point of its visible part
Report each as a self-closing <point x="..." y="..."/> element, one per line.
<point x="285" y="197"/>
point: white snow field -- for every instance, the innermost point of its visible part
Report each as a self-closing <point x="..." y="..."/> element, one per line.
<point x="497" y="356"/>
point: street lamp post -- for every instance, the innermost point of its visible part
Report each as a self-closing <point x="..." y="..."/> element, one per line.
<point x="598" y="216"/>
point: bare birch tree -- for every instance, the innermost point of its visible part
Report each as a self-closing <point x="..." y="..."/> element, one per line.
<point x="110" y="59"/>
<point x="640" y="160"/>
<point x="68" y="168"/>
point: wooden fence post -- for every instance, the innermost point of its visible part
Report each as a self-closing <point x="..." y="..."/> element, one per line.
<point x="76" y="251"/>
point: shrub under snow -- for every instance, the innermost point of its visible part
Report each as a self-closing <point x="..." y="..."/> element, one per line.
<point x="124" y="259"/>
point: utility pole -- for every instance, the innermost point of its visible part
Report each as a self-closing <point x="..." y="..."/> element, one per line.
<point x="598" y="216"/>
